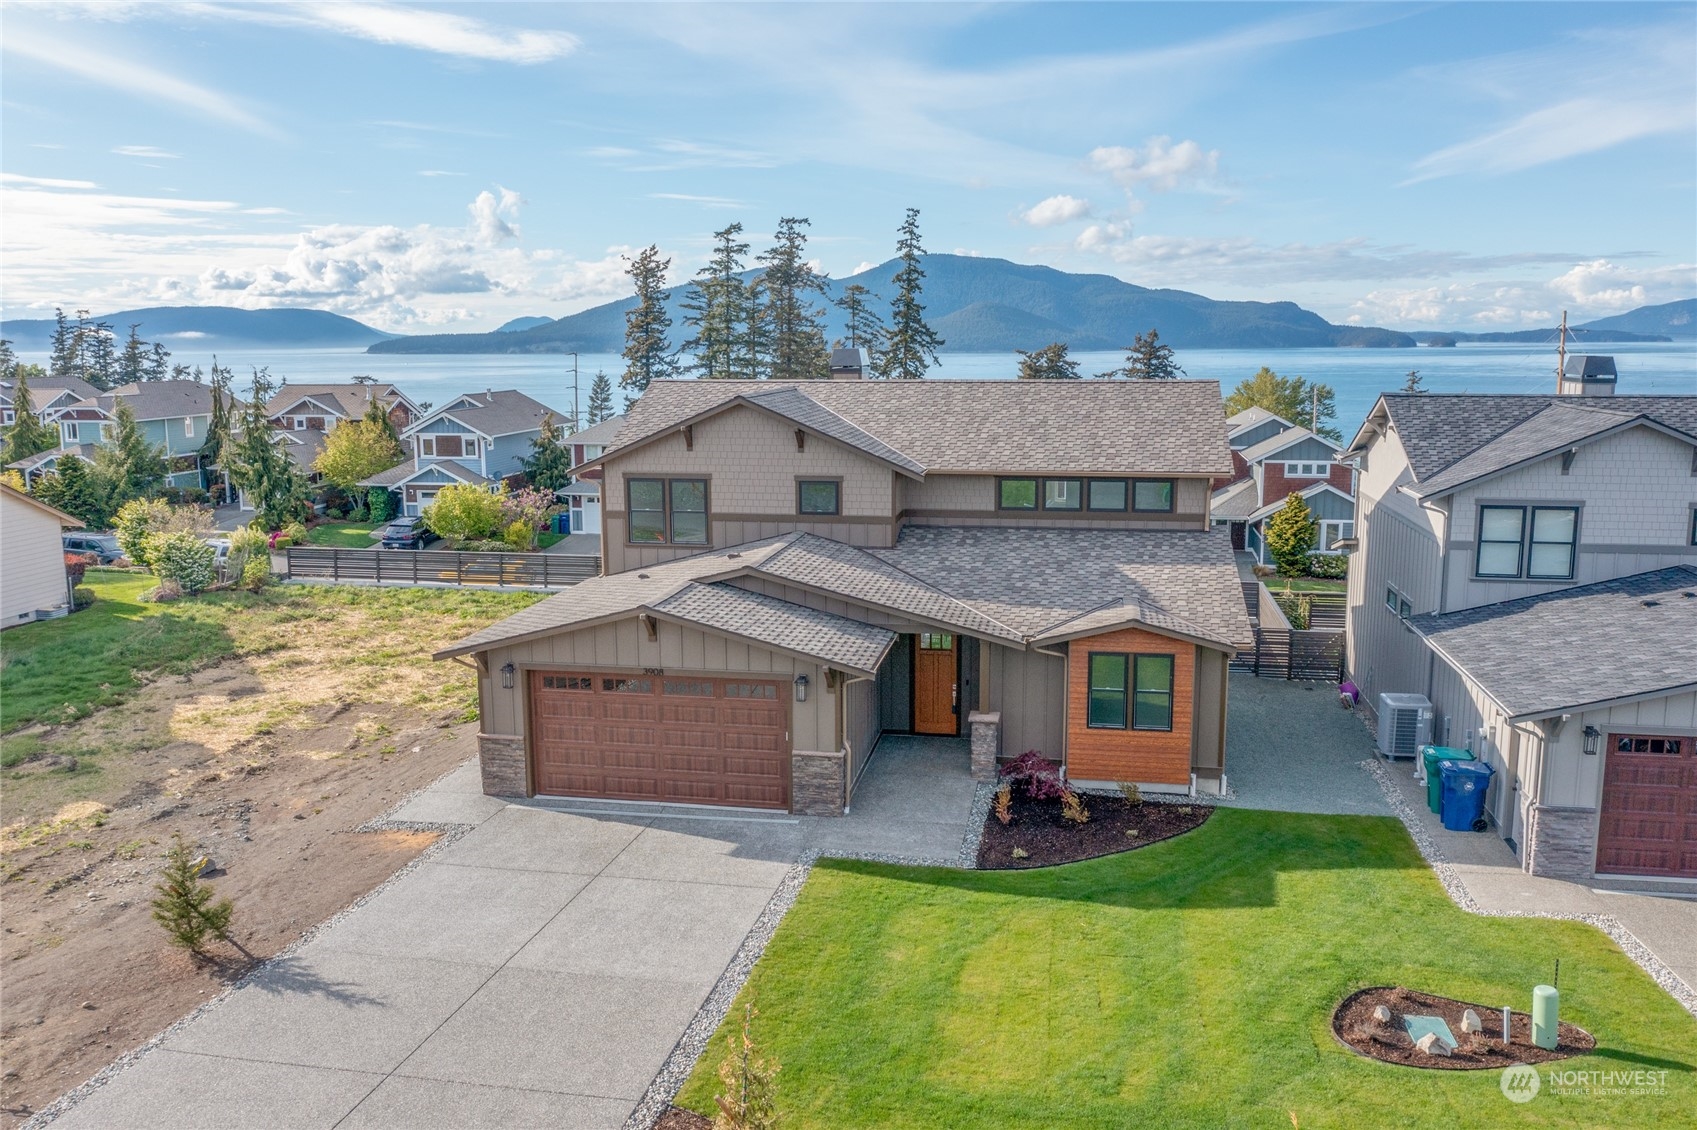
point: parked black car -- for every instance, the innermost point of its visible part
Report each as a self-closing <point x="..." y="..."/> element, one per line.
<point x="407" y="533"/>
<point x="104" y="546"/>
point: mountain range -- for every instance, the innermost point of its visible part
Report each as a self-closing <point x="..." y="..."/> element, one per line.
<point x="213" y="326"/>
<point x="980" y="305"/>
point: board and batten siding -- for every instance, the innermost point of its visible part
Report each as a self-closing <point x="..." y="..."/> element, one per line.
<point x="624" y="646"/>
<point x="862" y="726"/>
<point x="32" y="561"/>
<point x="1028" y="688"/>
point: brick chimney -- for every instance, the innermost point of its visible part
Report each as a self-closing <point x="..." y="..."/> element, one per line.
<point x="1586" y="375"/>
<point x="848" y="364"/>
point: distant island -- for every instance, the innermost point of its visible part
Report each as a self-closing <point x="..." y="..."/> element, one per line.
<point x="210" y="326"/>
<point x="982" y="305"/>
<point x="526" y="323"/>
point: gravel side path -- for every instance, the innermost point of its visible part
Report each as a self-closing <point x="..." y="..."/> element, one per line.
<point x="1291" y="748"/>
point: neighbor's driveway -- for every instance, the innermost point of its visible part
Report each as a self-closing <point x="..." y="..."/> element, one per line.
<point x="537" y="972"/>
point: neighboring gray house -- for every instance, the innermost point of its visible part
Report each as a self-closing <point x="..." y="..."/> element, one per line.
<point x="46" y="396"/>
<point x="792" y="570"/>
<point x="320" y="407"/>
<point x="1518" y="562"/>
<point x="478" y="439"/>
<point x="171" y="414"/>
<point x="1272" y="459"/>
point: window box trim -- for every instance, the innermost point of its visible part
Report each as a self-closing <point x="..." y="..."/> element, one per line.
<point x="811" y="480"/>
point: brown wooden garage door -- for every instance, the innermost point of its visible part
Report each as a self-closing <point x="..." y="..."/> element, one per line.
<point x="682" y="739"/>
<point x="1648" y="823"/>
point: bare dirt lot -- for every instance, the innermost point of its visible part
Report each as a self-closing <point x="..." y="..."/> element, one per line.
<point x="268" y="763"/>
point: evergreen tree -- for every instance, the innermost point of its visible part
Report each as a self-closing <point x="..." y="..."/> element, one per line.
<point x="600" y="398"/>
<point x="125" y="463"/>
<point x="97" y="358"/>
<point x="1290" y="398"/>
<point x="377" y="415"/>
<point x="258" y="466"/>
<point x="71" y="487"/>
<point x="1050" y="363"/>
<point x="865" y="327"/>
<point x="158" y="364"/>
<point x="1290" y="536"/>
<point x="752" y="358"/>
<point x="717" y="308"/>
<point x="1146" y="359"/>
<point x="1414" y="383"/>
<point x="28" y="435"/>
<point x="185" y="905"/>
<point x="63" y="361"/>
<point x="132" y="362"/>
<point x="549" y="464"/>
<point x="910" y="346"/>
<point x="795" y="323"/>
<point x="648" y="348"/>
<point x="217" y="443"/>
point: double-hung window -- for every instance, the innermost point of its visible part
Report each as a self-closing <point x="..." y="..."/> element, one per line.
<point x="667" y="511"/>
<point x="1532" y="542"/>
<point x="1130" y="691"/>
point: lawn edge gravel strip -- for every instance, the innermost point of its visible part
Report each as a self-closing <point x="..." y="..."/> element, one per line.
<point x="1456" y="888"/>
<point x="448" y="834"/>
<point x="690" y="1046"/>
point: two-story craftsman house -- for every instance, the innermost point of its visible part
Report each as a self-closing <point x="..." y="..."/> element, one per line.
<point x="478" y="439"/>
<point x="1275" y="459"/>
<point x="1529" y="564"/>
<point x="171" y="415"/>
<point x="792" y="570"/>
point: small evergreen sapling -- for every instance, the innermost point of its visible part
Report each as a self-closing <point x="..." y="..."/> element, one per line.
<point x="185" y="906"/>
<point x="751" y="1082"/>
<point x="1291" y="532"/>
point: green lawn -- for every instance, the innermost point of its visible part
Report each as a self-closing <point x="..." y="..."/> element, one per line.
<point x="1304" y="584"/>
<point x="1188" y="984"/>
<point x="344" y="535"/>
<point x="548" y="538"/>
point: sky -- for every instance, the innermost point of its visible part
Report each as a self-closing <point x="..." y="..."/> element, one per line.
<point x="448" y="167"/>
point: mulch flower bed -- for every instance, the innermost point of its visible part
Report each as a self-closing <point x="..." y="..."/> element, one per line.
<point x="1039" y="830"/>
<point x="1354" y="1026"/>
<point x="677" y="1118"/>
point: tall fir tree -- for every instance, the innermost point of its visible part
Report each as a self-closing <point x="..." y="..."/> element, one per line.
<point x="648" y="326"/>
<point x="549" y="464"/>
<point x="377" y="415"/>
<point x="63" y="358"/>
<point x="259" y="467"/>
<point x="158" y="363"/>
<point x="716" y="310"/>
<point x="600" y="398"/>
<point x="1050" y="363"/>
<point x="132" y="362"/>
<point x="127" y="465"/>
<point x="793" y="322"/>
<point x="1414" y="383"/>
<point x="97" y="356"/>
<point x="864" y="328"/>
<point x="910" y="346"/>
<point x="28" y="435"/>
<point x="1146" y="359"/>
<point x="752" y="358"/>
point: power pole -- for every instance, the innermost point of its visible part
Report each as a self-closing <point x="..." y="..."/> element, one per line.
<point x="575" y="416"/>
<point x="1314" y="408"/>
<point x="1561" y="351"/>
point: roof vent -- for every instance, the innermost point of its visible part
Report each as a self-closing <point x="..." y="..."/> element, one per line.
<point x="1587" y="375"/>
<point x="642" y="576"/>
<point x="734" y="556"/>
<point x="1652" y="603"/>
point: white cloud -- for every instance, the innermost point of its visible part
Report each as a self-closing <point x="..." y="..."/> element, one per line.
<point x="704" y="201"/>
<point x="438" y="173"/>
<point x="494" y="216"/>
<point x="1160" y="165"/>
<point x="149" y="151"/>
<point x="1587" y="290"/>
<point x="1600" y="285"/>
<point x="1056" y="210"/>
<point x="666" y="155"/>
<point x="130" y="77"/>
<point x="44" y="182"/>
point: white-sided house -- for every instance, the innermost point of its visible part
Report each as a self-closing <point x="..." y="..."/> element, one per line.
<point x="1523" y="562"/>
<point x="583" y="496"/>
<point x="1272" y="459"/>
<point x="478" y="439"/>
<point x="33" y="581"/>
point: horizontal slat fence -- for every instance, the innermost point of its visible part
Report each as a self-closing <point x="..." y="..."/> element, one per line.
<point x="1281" y="653"/>
<point x="441" y="567"/>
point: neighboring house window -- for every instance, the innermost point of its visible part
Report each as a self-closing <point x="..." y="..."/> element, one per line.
<point x="1107" y="494"/>
<point x="1333" y="531"/>
<point x="1063" y="494"/>
<point x="188" y="426"/>
<point x="1108" y="690"/>
<point x="299" y="423"/>
<point x="1017" y="494"/>
<point x="818" y="496"/>
<point x="668" y="511"/>
<point x="1694" y="525"/>
<point x="1536" y="542"/>
<point x="1306" y="470"/>
<point x="1152" y="494"/>
<point x="1152" y="703"/>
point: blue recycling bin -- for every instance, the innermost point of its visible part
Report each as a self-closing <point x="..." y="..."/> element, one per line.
<point x="1465" y="784"/>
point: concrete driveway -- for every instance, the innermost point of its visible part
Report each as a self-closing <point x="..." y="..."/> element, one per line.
<point x="536" y="972"/>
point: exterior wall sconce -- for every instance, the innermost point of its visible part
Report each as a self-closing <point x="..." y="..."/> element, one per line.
<point x="801" y="688"/>
<point x="507" y="671"/>
<point x="1593" y="739"/>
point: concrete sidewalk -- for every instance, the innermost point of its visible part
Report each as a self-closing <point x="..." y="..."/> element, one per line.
<point x="537" y="971"/>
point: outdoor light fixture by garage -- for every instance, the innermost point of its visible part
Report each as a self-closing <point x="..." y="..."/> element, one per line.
<point x="1593" y="738"/>
<point x="801" y="688"/>
<point x="507" y="676"/>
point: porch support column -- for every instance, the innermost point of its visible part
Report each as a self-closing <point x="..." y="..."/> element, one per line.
<point x="986" y="727"/>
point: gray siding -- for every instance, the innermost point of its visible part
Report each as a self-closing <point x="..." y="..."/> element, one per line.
<point x="1325" y="504"/>
<point x="1305" y="451"/>
<point x="507" y="454"/>
<point x="1029" y="689"/>
<point x="862" y="726"/>
<point x="1208" y="728"/>
<point x="895" y="687"/>
<point x="1265" y="430"/>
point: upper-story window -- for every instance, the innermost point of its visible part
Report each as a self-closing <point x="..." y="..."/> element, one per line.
<point x="667" y="511"/>
<point x="1694" y="525"/>
<point x="448" y="446"/>
<point x="1105" y="494"/>
<point x="188" y="426"/>
<point x="1063" y="494"/>
<point x="1532" y="542"/>
<point x="1307" y="470"/>
<point x="1071" y="495"/>
<point x="819" y="496"/>
<point x="300" y="423"/>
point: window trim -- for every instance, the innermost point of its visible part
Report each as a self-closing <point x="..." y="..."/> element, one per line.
<point x="1479" y="544"/>
<point x="1171" y="692"/>
<point x="1324" y="472"/>
<point x="668" y="537"/>
<point x="1172" y="497"/>
<point x="1532" y="542"/>
<point x="1044" y="501"/>
<point x="837" y="497"/>
<point x="1529" y="511"/>
<point x="1124" y="690"/>
<point x="1036" y="493"/>
<point x="1123" y="508"/>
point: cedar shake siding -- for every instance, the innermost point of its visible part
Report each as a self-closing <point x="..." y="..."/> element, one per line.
<point x="1153" y="757"/>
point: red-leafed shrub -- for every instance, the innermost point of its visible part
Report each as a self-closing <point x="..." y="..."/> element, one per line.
<point x="77" y="563"/>
<point x="1040" y="776"/>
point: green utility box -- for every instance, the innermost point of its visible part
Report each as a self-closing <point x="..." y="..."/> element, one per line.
<point x="1430" y="755"/>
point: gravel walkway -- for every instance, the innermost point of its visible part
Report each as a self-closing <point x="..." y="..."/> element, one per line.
<point x="1291" y="748"/>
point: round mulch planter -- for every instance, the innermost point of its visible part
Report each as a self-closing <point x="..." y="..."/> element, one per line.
<point x="1355" y="1028"/>
<point x="1047" y="839"/>
<point x="677" y="1118"/>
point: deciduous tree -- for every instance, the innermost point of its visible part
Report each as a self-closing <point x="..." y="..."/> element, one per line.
<point x="464" y="512"/>
<point x="355" y="450"/>
<point x="1290" y="398"/>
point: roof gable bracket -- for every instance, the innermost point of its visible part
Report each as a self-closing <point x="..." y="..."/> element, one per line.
<point x="800" y="440"/>
<point x="1567" y="458"/>
<point x="689" y="437"/>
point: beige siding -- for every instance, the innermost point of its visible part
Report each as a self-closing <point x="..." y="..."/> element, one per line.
<point x="625" y="646"/>
<point x="1029" y="689"/>
<point x="1208" y="716"/>
<point x="970" y="500"/>
<point x="32" y="569"/>
<point x="862" y="725"/>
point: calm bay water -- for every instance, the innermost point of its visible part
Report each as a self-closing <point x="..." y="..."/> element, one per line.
<point x="1358" y="375"/>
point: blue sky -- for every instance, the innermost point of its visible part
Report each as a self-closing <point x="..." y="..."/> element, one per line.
<point x="452" y="166"/>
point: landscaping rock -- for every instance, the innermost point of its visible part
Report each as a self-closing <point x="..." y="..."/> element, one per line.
<point x="1382" y="1014"/>
<point x="1432" y="1044"/>
<point x="1470" y="1022"/>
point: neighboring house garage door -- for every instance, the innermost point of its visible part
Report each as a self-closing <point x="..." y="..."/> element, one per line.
<point x="680" y="739"/>
<point x="1648" y="824"/>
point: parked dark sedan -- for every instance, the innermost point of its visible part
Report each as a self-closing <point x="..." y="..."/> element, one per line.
<point x="103" y="546"/>
<point x="407" y="533"/>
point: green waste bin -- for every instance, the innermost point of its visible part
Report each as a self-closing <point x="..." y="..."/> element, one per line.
<point x="1430" y="755"/>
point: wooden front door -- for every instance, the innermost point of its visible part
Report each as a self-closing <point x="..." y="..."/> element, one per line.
<point x="935" y="670"/>
<point x="1648" y="822"/>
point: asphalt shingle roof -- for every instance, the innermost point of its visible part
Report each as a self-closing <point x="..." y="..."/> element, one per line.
<point x="155" y="400"/>
<point x="1554" y="428"/>
<point x="836" y="640"/>
<point x="598" y="435"/>
<point x="1235" y="500"/>
<point x="793" y="404"/>
<point x="406" y="469"/>
<point x="986" y="427"/>
<point x="350" y="398"/>
<point x="1557" y="651"/>
<point x="501" y="413"/>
